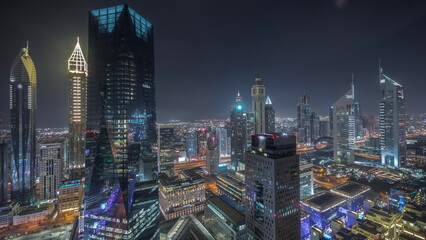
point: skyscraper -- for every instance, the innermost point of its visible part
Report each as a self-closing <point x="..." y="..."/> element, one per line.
<point x="238" y="132"/>
<point x="304" y="119"/>
<point x="121" y="105"/>
<point x="258" y="105"/>
<point x="346" y="115"/>
<point x="77" y="69"/>
<point x="269" y="116"/>
<point x="272" y="188"/>
<point x="23" y="91"/>
<point x="392" y="122"/>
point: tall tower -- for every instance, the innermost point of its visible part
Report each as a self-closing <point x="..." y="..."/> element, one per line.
<point x="77" y="70"/>
<point x="238" y="132"/>
<point x="272" y="188"/>
<point x="122" y="106"/>
<point x="346" y="115"/>
<point x="304" y="119"/>
<point x="392" y="122"/>
<point x="23" y="91"/>
<point x="269" y="116"/>
<point x="258" y="105"/>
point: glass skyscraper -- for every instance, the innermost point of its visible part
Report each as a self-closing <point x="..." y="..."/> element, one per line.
<point x="392" y="122"/>
<point x="122" y="199"/>
<point x="23" y="87"/>
<point x="238" y="132"/>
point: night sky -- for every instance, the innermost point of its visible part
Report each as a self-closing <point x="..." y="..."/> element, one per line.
<point x="206" y="50"/>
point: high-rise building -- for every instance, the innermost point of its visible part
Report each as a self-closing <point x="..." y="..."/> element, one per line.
<point x="346" y="116"/>
<point x="222" y="136"/>
<point x="191" y="145"/>
<point x="181" y="195"/>
<point x="165" y="149"/>
<point x="324" y="126"/>
<point x="304" y="119"/>
<point x="315" y="126"/>
<point x="258" y="105"/>
<point x="306" y="180"/>
<point x="269" y="116"/>
<point x="77" y="69"/>
<point x="392" y="122"/>
<point x="272" y="188"/>
<point x="52" y="158"/>
<point x="238" y="132"/>
<point x="202" y="136"/>
<point x="122" y="107"/>
<point x="4" y="172"/>
<point x="212" y="159"/>
<point x="23" y="91"/>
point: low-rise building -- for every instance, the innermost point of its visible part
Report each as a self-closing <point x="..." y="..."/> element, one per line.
<point x="70" y="196"/>
<point x="31" y="215"/>
<point x="232" y="185"/>
<point x="223" y="220"/>
<point x="181" y="195"/>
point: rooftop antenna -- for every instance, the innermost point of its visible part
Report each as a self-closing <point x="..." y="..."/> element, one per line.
<point x="353" y="87"/>
<point x="27" y="45"/>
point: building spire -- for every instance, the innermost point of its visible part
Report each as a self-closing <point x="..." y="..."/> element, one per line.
<point x="353" y="86"/>
<point x="268" y="101"/>
<point x="27" y="45"/>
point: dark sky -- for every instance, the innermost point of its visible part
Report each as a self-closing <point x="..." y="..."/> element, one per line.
<point x="206" y="50"/>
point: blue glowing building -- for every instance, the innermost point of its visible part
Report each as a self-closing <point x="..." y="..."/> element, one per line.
<point x="356" y="194"/>
<point x="238" y="132"/>
<point x="323" y="207"/>
<point x="23" y="92"/>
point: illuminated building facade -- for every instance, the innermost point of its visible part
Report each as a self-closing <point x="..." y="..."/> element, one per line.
<point x="223" y="220"/>
<point x="70" y="196"/>
<point x="52" y="158"/>
<point x="224" y="144"/>
<point x="4" y="172"/>
<point x="23" y="91"/>
<point x="191" y="145"/>
<point x="346" y="118"/>
<point x="121" y="200"/>
<point x="323" y="207"/>
<point x="356" y="194"/>
<point x="306" y="180"/>
<point x="303" y="119"/>
<point x="238" y="132"/>
<point x="272" y="188"/>
<point x="181" y="195"/>
<point x="392" y="122"/>
<point x="165" y="149"/>
<point x="232" y="185"/>
<point x="269" y="116"/>
<point x="258" y="105"/>
<point x="405" y="193"/>
<point x="77" y="69"/>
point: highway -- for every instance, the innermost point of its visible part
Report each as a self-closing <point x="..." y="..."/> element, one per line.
<point x="59" y="233"/>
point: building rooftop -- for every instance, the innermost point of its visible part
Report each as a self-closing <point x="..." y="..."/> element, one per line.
<point x="229" y="212"/>
<point x="350" y="189"/>
<point x="324" y="201"/>
<point x="32" y="210"/>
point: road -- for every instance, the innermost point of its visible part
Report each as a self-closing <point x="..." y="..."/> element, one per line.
<point x="59" y="233"/>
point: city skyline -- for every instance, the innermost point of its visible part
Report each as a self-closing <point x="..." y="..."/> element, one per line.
<point x="280" y="52"/>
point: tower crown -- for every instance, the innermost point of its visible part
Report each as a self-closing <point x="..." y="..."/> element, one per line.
<point x="77" y="63"/>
